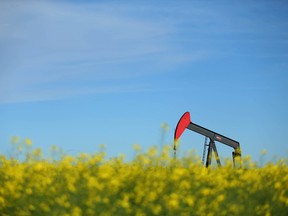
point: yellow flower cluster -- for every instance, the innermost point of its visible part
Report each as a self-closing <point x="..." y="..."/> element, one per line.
<point x="151" y="184"/>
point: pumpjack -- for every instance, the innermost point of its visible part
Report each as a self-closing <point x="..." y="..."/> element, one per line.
<point x="185" y="123"/>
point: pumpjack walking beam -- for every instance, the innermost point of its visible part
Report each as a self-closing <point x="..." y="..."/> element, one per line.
<point x="185" y="122"/>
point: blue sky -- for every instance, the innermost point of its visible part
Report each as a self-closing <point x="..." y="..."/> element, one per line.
<point x="78" y="74"/>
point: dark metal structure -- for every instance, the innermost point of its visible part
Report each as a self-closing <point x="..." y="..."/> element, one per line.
<point x="185" y="123"/>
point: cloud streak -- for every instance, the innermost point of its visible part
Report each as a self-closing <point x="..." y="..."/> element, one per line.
<point x="84" y="47"/>
<point x="56" y="49"/>
<point x="48" y="42"/>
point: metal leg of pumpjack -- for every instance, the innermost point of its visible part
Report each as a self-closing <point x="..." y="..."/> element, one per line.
<point x="204" y="150"/>
<point x="216" y="154"/>
<point x="237" y="154"/>
<point x="209" y="155"/>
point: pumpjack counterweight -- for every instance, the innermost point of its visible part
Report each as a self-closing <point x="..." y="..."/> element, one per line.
<point x="185" y="123"/>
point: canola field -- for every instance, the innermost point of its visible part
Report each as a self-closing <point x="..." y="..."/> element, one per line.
<point x="152" y="183"/>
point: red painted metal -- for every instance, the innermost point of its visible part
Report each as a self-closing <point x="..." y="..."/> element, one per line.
<point x="182" y="125"/>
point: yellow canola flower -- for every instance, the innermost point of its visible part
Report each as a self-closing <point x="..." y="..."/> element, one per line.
<point x="150" y="184"/>
<point x="28" y="142"/>
<point x="2" y="202"/>
<point x="137" y="147"/>
<point x="76" y="211"/>
<point x="263" y="152"/>
<point x="156" y="209"/>
<point x="190" y="200"/>
<point x="152" y="151"/>
<point x="14" y="139"/>
<point x="173" y="201"/>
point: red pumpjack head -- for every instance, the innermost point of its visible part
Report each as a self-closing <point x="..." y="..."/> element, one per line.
<point x="182" y="125"/>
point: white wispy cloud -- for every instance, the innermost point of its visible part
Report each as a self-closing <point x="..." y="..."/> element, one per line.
<point x="87" y="47"/>
<point x="48" y="43"/>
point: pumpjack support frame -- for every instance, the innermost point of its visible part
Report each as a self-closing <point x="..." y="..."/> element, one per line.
<point x="185" y="123"/>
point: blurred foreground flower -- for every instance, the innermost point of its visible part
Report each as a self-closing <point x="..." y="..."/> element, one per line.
<point x="150" y="184"/>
